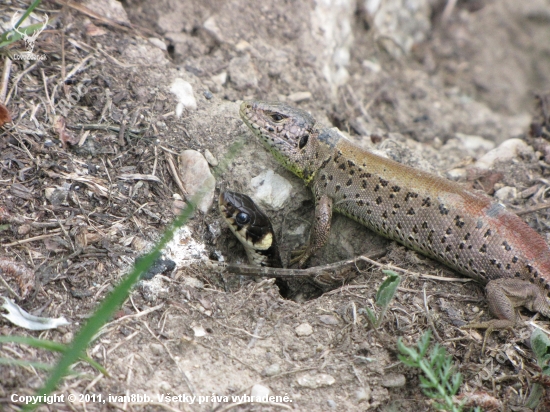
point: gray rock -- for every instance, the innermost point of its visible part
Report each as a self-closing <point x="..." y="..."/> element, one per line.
<point x="242" y="73"/>
<point x="393" y="380"/>
<point x="157" y="349"/>
<point x="508" y="150"/>
<point x="363" y="394"/>
<point x="329" y="319"/>
<point x="272" y="370"/>
<point x="196" y="177"/>
<point x="299" y="97"/>
<point x="212" y="161"/>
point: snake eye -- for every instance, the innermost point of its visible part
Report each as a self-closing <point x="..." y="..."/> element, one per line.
<point x="276" y="117"/>
<point x="242" y="218"/>
<point x="303" y="141"/>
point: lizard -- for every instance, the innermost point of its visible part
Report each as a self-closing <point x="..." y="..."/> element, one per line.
<point x="441" y="219"/>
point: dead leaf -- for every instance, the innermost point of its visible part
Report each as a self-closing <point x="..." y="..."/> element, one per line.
<point x="4" y="115"/>
<point x="59" y="125"/>
<point x="19" y="273"/>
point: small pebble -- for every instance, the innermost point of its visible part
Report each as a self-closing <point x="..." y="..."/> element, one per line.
<point x="299" y="97"/>
<point x="393" y="380"/>
<point x="161" y="265"/>
<point x="214" y="229"/>
<point x="210" y="158"/>
<point x="316" y="381"/>
<point x="456" y="174"/>
<point x="220" y="78"/>
<point x="193" y="282"/>
<point x="157" y="349"/>
<point x="506" y="194"/>
<point x="208" y="94"/>
<point x="329" y="319"/>
<point x="304" y="329"/>
<point x="158" y="43"/>
<point x="331" y="404"/>
<point x="363" y="394"/>
<point x="199" y="331"/>
<point x="184" y="94"/>
<point x="259" y="391"/>
<point x="474" y="143"/>
<point x="272" y="370"/>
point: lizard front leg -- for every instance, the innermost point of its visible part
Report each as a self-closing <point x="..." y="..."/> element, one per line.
<point x="319" y="232"/>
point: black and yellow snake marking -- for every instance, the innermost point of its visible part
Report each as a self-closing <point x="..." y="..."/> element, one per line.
<point x="252" y="227"/>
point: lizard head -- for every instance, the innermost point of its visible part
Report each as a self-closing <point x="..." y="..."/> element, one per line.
<point x="287" y="132"/>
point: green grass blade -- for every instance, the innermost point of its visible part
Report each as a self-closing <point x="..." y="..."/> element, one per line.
<point x="51" y="346"/>
<point x="25" y="363"/>
<point x="27" y="13"/>
<point x="34" y="342"/>
<point x="12" y="36"/>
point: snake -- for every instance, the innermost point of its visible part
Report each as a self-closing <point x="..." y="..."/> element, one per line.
<point x="252" y="227"/>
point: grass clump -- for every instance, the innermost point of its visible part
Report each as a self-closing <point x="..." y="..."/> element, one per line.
<point x="439" y="380"/>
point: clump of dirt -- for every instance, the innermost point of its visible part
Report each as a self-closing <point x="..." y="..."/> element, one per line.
<point x="79" y="202"/>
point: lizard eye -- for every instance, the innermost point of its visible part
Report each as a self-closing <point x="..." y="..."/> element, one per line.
<point x="242" y="218"/>
<point x="277" y="117"/>
<point x="303" y="141"/>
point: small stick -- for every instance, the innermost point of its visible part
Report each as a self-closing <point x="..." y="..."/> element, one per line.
<point x="249" y="270"/>
<point x="174" y="173"/>
<point x="533" y="209"/>
<point x="5" y="79"/>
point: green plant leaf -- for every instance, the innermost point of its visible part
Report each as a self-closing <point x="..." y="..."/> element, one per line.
<point x="541" y="347"/>
<point x="387" y="289"/>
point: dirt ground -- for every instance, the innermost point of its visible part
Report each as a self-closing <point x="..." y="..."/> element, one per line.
<point x="425" y="83"/>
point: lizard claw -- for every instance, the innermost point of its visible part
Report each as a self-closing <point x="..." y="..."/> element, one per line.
<point x="300" y="256"/>
<point x="490" y="326"/>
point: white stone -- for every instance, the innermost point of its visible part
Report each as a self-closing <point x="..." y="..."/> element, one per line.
<point x="271" y="189"/>
<point x="299" y="97"/>
<point x="474" y="143"/>
<point x="271" y="370"/>
<point x="506" y="193"/>
<point x="456" y="174"/>
<point x="220" y="78"/>
<point x="212" y="161"/>
<point x="316" y="381"/>
<point x="193" y="282"/>
<point x="199" y="331"/>
<point x="305" y="329"/>
<point x="158" y="42"/>
<point x="259" y="391"/>
<point x="184" y="94"/>
<point x="211" y="26"/>
<point x="508" y="150"/>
